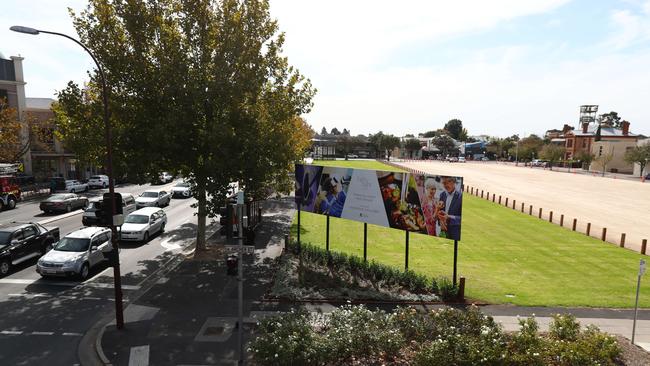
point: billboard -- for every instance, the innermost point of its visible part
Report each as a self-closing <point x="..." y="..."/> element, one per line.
<point x="426" y="204"/>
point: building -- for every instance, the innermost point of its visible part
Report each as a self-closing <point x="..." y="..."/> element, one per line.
<point x="614" y="141"/>
<point x="49" y="157"/>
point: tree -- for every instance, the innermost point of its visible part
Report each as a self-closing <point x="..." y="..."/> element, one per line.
<point x="335" y="131"/>
<point x="638" y="155"/>
<point x="17" y="138"/>
<point x="429" y="134"/>
<point x="382" y="143"/>
<point x="323" y="131"/>
<point x="445" y="144"/>
<point x="530" y="146"/>
<point x="346" y="132"/>
<point x="199" y="87"/>
<point x="463" y="135"/>
<point x="585" y="157"/>
<point x="552" y="153"/>
<point x="610" y="119"/>
<point x="455" y="128"/>
<point x="604" y="159"/>
<point x="412" y="145"/>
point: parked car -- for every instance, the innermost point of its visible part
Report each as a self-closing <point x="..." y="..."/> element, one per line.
<point x="20" y="242"/>
<point x="9" y="192"/>
<point x="485" y="158"/>
<point x="538" y="162"/>
<point x="181" y="190"/>
<point x="143" y="223"/>
<point x="452" y="159"/>
<point x="461" y="159"/>
<point x="98" y="181"/>
<point x="153" y="198"/>
<point x="353" y="156"/>
<point x="63" y="202"/>
<point x="162" y="178"/>
<point x="77" y="253"/>
<point x="647" y="176"/>
<point x="74" y="186"/>
<point x="91" y="216"/>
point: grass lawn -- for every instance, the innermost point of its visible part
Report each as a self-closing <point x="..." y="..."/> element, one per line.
<point x="506" y="256"/>
<point x="359" y="164"/>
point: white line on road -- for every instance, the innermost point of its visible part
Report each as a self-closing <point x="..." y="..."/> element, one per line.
<point x="42" y="333"/>
<point x="110" y="285"/>
<point x="73" y="334"/>
<point x="36" y="281"/>
<point x="139" y="356"/>
<point x="11" y="332"/>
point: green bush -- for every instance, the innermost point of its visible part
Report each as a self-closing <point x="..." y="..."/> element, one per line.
<point x="445" y="288"/>
<point x="564" y="327"/>
<point x="527" y="347"/>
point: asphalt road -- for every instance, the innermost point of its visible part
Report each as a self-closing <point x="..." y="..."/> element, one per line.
<point x="43" y="320"/>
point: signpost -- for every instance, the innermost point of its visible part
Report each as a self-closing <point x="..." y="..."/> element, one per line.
<point x="636" y="303"/>
<point x="240" y="278"/>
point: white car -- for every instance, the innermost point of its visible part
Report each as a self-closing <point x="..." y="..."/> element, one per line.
<point x="98" y="181"/>
<point x="461" y="159"/>
<point x="76" y="253"/>
<point x="165" y="177"/>
<point x="143" y="223"/>
<point x="153" y="198"/>
<point x="74" y="186"/>
<point x="182" y="190"/>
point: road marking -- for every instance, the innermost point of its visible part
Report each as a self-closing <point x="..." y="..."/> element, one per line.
<point x="42" y="333"/>
<point x="11" y="332"/>
<point x="169" y="247"/>
<point x="99" y="274"/>
<point x="139" y="356"/>
<point x="72" y="334"/>
<point x="110" y="285"/>
<point x="36" y="281"/>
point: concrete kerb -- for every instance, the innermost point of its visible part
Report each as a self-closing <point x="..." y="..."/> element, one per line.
<point x="90" y="350"/>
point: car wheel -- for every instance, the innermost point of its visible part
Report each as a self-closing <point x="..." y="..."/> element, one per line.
<point x="85" y="271"/>
<point x="68" y="208"/>
<point x="5" y="266"/>
<point x="73" y="191"/>
<point x="145" y="238"/>
<point x="2" y="206"/>
<point x="11" y="203"/>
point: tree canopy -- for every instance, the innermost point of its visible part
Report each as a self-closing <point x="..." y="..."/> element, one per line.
<point x="553" y="153"/>
<point x="15" y="141"/>
<point x="198" y="87"/>
<point x="638" y="155"/>
<point x="455" y="129"/>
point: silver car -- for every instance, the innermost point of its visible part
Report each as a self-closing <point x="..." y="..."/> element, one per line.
<point x="76" y="253"/>
<point x="142" y="224"/>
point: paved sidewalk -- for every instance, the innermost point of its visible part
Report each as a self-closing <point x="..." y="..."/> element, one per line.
<point x="189" y="316"/>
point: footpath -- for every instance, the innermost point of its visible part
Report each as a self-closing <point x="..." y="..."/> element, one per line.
<point x="189" y="316"/>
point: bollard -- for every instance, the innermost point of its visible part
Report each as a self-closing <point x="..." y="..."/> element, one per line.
<point x="481" y="193"/>
<point x="506" y="202"/>
<point x="514" y="204"/>
<point x="588" y="228"/>
<point x="522" y="207"/>
<point x="644" y="243"/>
<point x="575" y="222"/>
<point x="604" y="235"/>
<point x="461" y="289"/>
<point x="550" y="217"/>
<point x="499" y="199"/>
<point x="562" y="220"/>
<point x="622" y="245"/>
<point x="530" y="210"/>
<point x="540" y="212"/>
<point x="286" y="242"/>
<point x="494" y="197"/>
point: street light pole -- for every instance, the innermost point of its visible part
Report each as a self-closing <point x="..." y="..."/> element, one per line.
<point x="119" y="312"/>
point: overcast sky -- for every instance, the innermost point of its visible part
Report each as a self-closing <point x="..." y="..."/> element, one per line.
<point x="503" y="66"/>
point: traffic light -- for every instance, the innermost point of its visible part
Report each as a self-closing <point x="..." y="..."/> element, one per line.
<point x="231" y="265"/>
<point x="107" y="208"/>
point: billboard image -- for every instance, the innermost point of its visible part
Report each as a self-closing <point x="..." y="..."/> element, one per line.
<point x="427" y="204"/>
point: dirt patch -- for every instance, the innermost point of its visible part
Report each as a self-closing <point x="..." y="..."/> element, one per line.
<point x="632" y="355"/>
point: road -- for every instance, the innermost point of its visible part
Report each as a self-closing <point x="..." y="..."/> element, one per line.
<point x="43" y="320"/>
<point x="620" y="205"/>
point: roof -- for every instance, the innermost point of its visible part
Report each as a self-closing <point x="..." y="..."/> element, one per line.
<point x="146" y="211"/>
<point x="11" y="226"/>
<point x="39" y="103"/>
<point x="87" y="232"/>
<point x="604" y="132"/>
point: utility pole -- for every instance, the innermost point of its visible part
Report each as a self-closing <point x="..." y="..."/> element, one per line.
<point x="240" y="275"/>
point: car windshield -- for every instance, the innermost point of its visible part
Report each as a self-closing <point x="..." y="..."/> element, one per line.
<point x="57" y="197"/>
<point x="5" y="236"/>
<point x="136" y="219"/>
<point x="150" y="194"/>
<point x="73" y="245"/>
<point x="183" y="185"/>
<point x="95" y="205"/>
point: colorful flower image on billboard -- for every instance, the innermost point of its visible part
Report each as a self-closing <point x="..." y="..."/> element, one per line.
<point x="334" y="184"/>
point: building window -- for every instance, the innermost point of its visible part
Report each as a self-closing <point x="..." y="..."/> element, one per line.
<point x="569" y="143"/>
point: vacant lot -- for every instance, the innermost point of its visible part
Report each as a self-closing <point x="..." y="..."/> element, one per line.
<point x="619" y="205"/>
<point x="506" y="256"/>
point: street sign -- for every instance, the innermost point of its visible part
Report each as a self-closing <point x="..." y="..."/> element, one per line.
<point x="240" y="197"/>
<point x="641" y="267"/>
<point x="246" y="249"/>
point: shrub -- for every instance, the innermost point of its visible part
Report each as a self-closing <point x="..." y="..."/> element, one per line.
<point x="445" y="288"/>
<point x="564" y="327"/>
<point x="526" y="347"/>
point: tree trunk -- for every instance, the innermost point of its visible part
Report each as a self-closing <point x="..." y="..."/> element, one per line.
<point x="202" y="214"/>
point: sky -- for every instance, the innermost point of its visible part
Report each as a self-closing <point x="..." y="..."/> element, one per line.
<point x="503" y="67"/>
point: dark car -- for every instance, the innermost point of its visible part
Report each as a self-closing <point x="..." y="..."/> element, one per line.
<point x="22" y="241"/>
<point x="63" y="202"/>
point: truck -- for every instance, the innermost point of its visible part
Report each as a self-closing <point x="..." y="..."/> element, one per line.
<point x="22" y="241"/>
<point x="9" y="188"/>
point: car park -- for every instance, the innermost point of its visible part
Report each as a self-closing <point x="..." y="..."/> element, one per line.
<point x="63" y="202"/>
<point x="77" y="253"/>
<point x="20" y="242"/>
<point x="92" y="214"/>
<point x="181" y="190"/>
<point x="74" y="186"/>
<point x="142" y="224"/>
<point x="153" y="198"/>
<point x="98" y="181"/>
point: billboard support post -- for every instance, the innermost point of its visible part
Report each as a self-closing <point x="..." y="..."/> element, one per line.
<point x="406" y="258"/>
<point x="298" y="231"/>
<point x="327" y="235"/>
<point x="365" y="242"/>
<point x="455" y="259"/>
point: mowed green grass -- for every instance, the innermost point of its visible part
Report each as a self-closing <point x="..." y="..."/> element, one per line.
<point x="503" y="252"/>
<point x="359" y="164"/>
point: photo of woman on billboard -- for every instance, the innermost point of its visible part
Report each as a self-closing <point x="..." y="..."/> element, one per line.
<point x="332" y="194"/>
